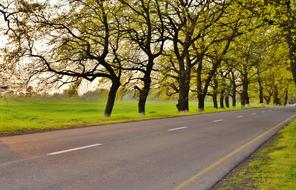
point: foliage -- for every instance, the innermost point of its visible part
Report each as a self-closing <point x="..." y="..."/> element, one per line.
<point x="182" y="49"/>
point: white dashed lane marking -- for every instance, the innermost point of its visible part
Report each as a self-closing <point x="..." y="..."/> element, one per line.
<point x="73" y="149"/>
<point x="177" y="129"/>
<point x="218" y="120"/>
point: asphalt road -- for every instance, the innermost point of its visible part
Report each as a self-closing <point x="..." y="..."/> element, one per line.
<point x="191" y="152"/>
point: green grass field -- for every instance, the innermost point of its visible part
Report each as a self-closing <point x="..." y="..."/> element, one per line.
<point x="25" y="115"/>
<point x="273" y="167"/>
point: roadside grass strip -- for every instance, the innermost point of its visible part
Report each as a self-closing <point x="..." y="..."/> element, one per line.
<point x="273" y="167"/>
<point x="28" y="115"/>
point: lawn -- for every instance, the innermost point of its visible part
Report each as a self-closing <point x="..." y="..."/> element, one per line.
<point x="273" y="167"/>
<point x="24" y="115"/>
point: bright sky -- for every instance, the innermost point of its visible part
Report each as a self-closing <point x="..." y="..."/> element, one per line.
<point x="86" y="86"/>
<point x="2" y="41"/>
<point x="2" y="37"/>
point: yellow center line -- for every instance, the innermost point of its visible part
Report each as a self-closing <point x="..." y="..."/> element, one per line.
<point x="195" y="177"/>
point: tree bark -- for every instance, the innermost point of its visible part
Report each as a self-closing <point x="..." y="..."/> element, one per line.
<point x="201" y="103"/>
<point x="200" y="93"/>
<point x="222" y="99"/>
<point x="142" y="100"/>
<point x="293" y="61"/>
<point x="234" y="99"/>
<point x="267" y="99"/>
<point x="227" y="101"/>
<point x="268" y="95"/>
<point x="215" y="94"/>
<point x="245" y="100"/>
<point x="144" y="92"/>
<point x="233" y="89"/>
<point x="261" y="95"/>
<point x="183" y="104"/>
<point x="215" y="101"/>
<point x="184" y="81"/>
<point x="286" y="97"/>
<point x="276" y="99"/>
<point x="111" y="97"/>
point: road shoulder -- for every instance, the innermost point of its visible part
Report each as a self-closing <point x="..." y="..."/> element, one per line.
<point x="273" y="166"/>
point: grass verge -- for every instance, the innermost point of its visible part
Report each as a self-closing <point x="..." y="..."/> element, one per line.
<point x="27" y="115"/>
<point x="272" y="167"/>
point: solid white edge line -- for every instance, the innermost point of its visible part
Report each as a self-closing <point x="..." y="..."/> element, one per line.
<point x="176" y="129"/>
<point x="73" y="149"/>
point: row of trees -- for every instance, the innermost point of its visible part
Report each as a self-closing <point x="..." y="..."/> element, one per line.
<point x="204" y="47"/>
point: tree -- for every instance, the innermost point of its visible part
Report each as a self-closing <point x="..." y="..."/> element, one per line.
<point x="275" y="72"/>
<point x="287" y="21"/>
<point x="188" y="23"/>
<point x="212" y="49"/>
<point x="6" y="15"/>
<point x="80" y="40"/>
<point x="213" y="91"/>
<point x="281" y="13"/>
<point x="146" y="30"/>
<point x="73" y="89"/>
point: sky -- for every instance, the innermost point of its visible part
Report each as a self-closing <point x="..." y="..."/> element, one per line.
<point x="2" y="41"/>
<point x="2" y="37"/>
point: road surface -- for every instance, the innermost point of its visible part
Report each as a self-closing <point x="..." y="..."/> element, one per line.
<point x="191" y="152"/>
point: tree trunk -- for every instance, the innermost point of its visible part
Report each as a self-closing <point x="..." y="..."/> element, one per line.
<point x="111" y="97"/>
<point x="215" y="93"/>
<point x="201" y="102"/>
<point x="142" y="100"/>
<point x="215" y="101"/>
<point x="286" y="97"/>
<point x="261" y="95"/>
<point x="183" y="105"/>
<point x="227" y="101"/>
<point x="267" y="99"/>
<point x="234" y="99"/>
<point x="222" y="99"/>
<point x="245" y="100"/>
<point x="293" y="66"/>
<point x="268" y="96"/>
<point x="184" y="84"/>
<point x="276" y="99"/>
<point x="200" y="93"/>
<point x="144" y="92"/>
<point x="234" y="86"/>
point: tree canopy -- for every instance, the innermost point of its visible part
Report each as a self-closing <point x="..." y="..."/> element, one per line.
<point x="184" y="49"/>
